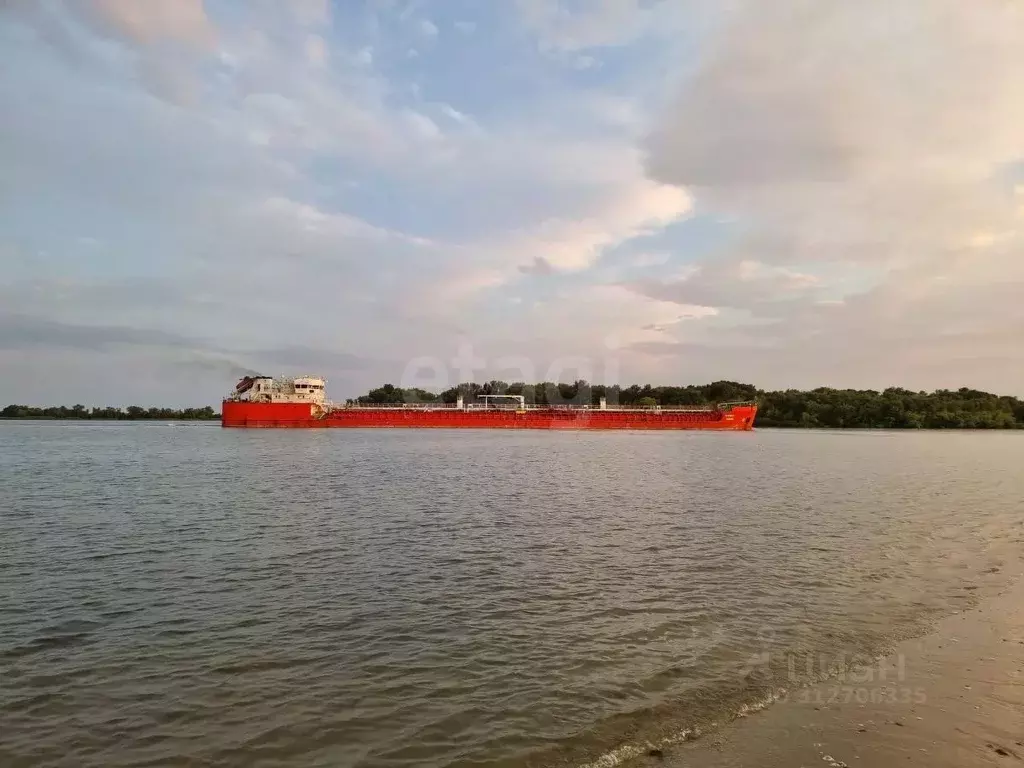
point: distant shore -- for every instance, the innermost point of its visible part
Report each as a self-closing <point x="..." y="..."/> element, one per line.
<point x="109" y="418"/>
<point x="784" y="427"/>
<point x="822" y="408"/>
<point x="131" y="413"/>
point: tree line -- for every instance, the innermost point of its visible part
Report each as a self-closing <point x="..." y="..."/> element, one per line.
<point x="131" y="413"/>
<point x="824" y="407"/>
<point x="893" y="408"/>
<point x="577" y="393"/>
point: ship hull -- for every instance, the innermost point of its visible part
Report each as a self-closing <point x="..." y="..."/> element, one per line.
<point x="301" y="416"/>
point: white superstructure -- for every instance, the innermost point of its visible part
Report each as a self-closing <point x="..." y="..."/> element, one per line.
<point x="267" y="389"/>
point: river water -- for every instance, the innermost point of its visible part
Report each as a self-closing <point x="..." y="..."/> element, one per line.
<point x="183" y="594"/>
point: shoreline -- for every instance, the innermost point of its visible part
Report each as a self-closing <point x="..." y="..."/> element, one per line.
<point x="774" y="427"/>
<point x="953" y="697"/>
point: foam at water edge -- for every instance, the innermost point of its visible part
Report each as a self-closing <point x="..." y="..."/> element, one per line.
<point x="621" y="754"/>
<point x="757" y="706"/>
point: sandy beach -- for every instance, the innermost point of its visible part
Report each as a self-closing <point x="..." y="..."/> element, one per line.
<point x="954" y="697"/>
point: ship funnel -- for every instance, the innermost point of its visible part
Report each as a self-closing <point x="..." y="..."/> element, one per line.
<point x="604" y="403"/>
<point x="458" y="402"/>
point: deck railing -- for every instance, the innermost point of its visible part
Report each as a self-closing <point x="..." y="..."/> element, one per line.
<point x="536" y="407"/>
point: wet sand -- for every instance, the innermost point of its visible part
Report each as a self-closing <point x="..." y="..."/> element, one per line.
<point x="952" y="698"/>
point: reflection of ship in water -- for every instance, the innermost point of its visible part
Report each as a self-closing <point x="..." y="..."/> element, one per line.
<point x="263" y="401"/>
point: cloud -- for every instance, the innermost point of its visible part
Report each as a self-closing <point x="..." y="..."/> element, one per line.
<point x="310" y="12"/>
<point x="855" y="128"/>
<point x="459" y="117"/>
<point x="759" y="113"/>
<point x="539" y="266"/>
<point x="314" y="222"/>
<point x="607" y="23"/>
<point x="572" y="244"/>
<point x="24" y="333"/>
<point x="20" y="332"/>
<point x="630" y="212"/>
<point x="183" y="21"/>
<point x="862" y="146"/>
<point x="300" y="182"/>
<point x="747" y="285"/>
<point x="821" y="173"/>
<point x="316" y="50"/>
<point x="162" y="43"/>
<point x="601" y="322"/>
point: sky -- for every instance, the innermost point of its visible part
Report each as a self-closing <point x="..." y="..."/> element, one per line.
<point x="795" y="193"/>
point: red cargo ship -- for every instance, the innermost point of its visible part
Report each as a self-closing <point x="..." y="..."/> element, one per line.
<point x="262" y="401"/>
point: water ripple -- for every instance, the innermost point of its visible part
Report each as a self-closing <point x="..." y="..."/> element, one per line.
<point x="373" y="599"/>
